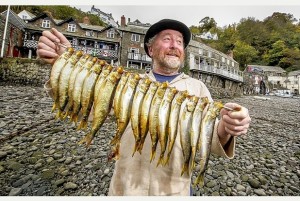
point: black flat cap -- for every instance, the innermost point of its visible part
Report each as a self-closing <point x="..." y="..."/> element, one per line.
<point x="167" y="24"/>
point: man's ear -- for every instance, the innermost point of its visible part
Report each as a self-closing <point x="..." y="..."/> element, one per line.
<point x="150" y="51"/>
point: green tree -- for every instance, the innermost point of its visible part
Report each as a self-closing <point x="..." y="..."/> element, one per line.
<point x="206" y="24"/>
<point x="244" y="53"/>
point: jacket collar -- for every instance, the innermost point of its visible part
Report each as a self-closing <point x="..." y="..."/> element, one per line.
<point x="179" y="77"/>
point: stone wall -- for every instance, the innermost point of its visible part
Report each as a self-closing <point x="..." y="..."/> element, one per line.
<point x="24" y="71"/>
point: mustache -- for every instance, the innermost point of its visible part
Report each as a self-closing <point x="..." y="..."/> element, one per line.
<point x="174" y="52"/>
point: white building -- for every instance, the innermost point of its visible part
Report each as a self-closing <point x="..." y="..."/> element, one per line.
<point x="105" y="17"/>
<point x="208" y="36"/>
<point x="292" y="81"/>
<point x="26" y="15"/>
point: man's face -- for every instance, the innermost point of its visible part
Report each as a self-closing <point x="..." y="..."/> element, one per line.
<point x="167" y="50"/>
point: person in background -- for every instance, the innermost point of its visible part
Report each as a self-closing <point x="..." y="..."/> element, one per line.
<point x="165" y="42"/>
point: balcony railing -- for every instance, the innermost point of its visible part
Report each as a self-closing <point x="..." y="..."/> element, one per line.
<point x="139" y="57"/>
<point x="236" y="75"/>
<point x="89" y="50"/>
<point x="30" y="43"/>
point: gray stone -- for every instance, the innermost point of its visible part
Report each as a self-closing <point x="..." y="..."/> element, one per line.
<point x="211" y="184"/>
<point x="15" y="191"/>
<point x="59" y="182"/>
<point x="70" y="185"/>
<point x="240" y="187"/>
<point x="3" y="154"/>
<point x="2" y="169"/>
<point x="260" y="192"/>
<point x="254" y="183"/>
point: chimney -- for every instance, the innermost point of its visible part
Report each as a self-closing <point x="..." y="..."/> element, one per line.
<point x="128" y="20"/>
<point x="86" y="20"/>
<point x="48" y="13"/>
<point x="123" y="21"/>
<point x="230" y="53"/>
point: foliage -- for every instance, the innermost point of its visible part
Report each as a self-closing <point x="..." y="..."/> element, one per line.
<point x="274" y="41"/>
<point x="244" y="53"/>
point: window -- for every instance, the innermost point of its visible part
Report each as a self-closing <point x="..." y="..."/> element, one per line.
<point x="71" y="27"/>
<point x="111" y="33"/>
<point x="89" y="33"/>
<point x="135" y="37"/>
<point x="200" y="51"/>
<point x="24" y="17"/>
<point x="46" y="24"/>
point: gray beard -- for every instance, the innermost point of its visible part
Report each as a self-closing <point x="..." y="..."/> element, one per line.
<point x="169" y="65"/>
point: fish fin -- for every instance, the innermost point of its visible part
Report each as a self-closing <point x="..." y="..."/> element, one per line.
<point x="185" y="168"/>
<point x="199" y="180"/>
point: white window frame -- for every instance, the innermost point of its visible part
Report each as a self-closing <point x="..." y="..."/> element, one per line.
<point x="71" y="27"/>
<point x="135" y="37"/>
<point x="89" y="33"/>
<point x="46" y="24"/>
<point x="110" y="33"/>
<point x="135" y="50"/>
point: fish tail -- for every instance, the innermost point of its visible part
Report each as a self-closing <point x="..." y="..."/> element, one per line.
<point x="115" y="140"/>
<point x="160" y="160"/>
<point x="153" y="153"/>
<point x="141" y="144"/>
<point x="193" y="158"/>
<point x="53" y="107"/>
<point x="117" y="151"/>
<point x="58" y="114"/>
<point x="83" y="124"/>
<point x="167" y="159"/>
<point x="88" y="138"/>
<point x="199" y="180"/>
<point x="185" y="168"/>
<point x="136" y="147"/>
<point x="74" y="118"/>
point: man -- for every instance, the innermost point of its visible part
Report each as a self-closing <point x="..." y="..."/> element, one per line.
<point x="164" y="42"/>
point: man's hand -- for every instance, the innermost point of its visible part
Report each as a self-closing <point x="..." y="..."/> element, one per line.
<point x="233" y="123"/>
<point x="47" y="48"/>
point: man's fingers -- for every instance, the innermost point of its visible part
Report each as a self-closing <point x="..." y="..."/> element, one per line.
<point x="50" y="37"/>
<point x="46" y="54"/>
<point x="61" y="38"/>
<point x="45" y="47"/>
<point x="238" y="122"/>
<point x="238" y="132"/>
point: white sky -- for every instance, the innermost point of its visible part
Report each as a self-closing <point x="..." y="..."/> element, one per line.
<point x="191" y="15"/>
<point x="190" y="12"/>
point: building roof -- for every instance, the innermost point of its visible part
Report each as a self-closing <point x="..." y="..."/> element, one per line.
<point x="14" y="19"/>
<point x="206" y="47"/>
<point x="275" y="69"/>
<point x="293" y="73"/>
<point x="29" y="13"/>
<point x="91" y="27"/>
<point x="135" y="29"/>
